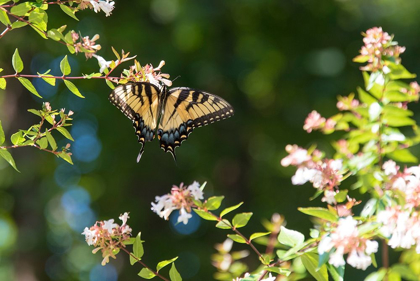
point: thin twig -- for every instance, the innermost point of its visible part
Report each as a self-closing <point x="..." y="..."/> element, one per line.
<point x="143" y="264"/>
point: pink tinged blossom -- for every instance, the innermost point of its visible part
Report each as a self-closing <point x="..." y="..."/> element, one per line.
<point x="296" y="156"/>
<point x="103" y="64"/>
<point x="390" y="168"/>
<point x="104" y="5"/>
<point x="329" y="124"/>
<point x="313" y="121"/>
<point x="89" y="236"/>
<point x="359" y="260"/>
<point x="337" y="259"/>
<point x="303" y="175"/>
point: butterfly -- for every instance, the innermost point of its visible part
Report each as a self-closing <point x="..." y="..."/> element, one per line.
<point x="171" y="114"/>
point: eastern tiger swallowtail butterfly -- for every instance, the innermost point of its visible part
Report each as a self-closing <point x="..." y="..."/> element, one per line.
<point x="172" y="114"/>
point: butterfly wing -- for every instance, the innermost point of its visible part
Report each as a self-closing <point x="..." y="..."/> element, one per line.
<point x="186" y="109"/>
<point x="139" y="102"/>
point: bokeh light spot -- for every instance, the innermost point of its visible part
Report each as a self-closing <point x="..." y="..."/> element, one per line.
<point x="103" y="273"/>
<point x="185" y="229"/>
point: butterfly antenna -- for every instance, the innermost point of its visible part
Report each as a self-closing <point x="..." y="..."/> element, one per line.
<point x="176" y="78"/>
<point x="140" y="153"/>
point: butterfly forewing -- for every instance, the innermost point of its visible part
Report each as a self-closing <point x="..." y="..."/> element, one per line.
<point x="186" y="109"/>
<point x="139" y="102"/>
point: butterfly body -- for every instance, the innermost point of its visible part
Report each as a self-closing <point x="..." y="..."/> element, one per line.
<point x="171" y="114"/>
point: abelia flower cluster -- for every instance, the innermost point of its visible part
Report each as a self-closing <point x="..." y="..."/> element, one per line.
<point x="315" y="121"/>
<point x="324" y="174"/>
<point x="344" y="239"/>
<point x="379" y="44"/>
<point x="85" y="44"/>
<point x="108" y="236"/>
<point x="97" y="5"/>
<point x="181" y="198"/>
<point x="147" y="73"/>
<point x="269" y="278"/>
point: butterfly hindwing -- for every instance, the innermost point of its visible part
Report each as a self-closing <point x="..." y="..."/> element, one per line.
<point x="139" y="102"/>
<point x="186" y="109"/>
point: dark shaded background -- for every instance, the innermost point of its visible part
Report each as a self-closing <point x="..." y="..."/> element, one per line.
<point x="274" y="61"/>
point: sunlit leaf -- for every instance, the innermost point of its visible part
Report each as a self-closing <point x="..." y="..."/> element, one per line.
<point x="73" y="88"/>
<point x="224" y="224"/>
<point x="18" y="24"/>
<point x="28" y="85"/>
<point x="65" y="133"/>
<point x="205" y="215"/>
<point x="230" y="209"/>
<point x="17" y="138"/>
<point x="65" y="66"/>
<point x="162" y="264"/>
<point x="2" y="83"/>
<point x="174" y="274"/>
<point x="42" y="142"/>
<point x="241" y="220"/>
<point x="2" y="136"/>
<point x="54" y="34"/>
<point x="51" y="140"/>
<point x="319" y="213"/>
<point x="138" y="249"/>
<point x="39" y="18"/>
<point x="310" y="261"/>
<point x="4" y="18"/>
<point x="377" y="276"/>
<point x="213" y="203"/>
<point x="398" y="71"/>
<point x="336" y="273"/>
<point x="8" y="157"/>
<point x="17" y="62"/>
<point x="146" y="273"/>
<point x="290" y="237"/>
<point x="65" y="156"/>
<point x="403" y="155"/>
<point x="69" y="11"/>
<point x="237" y="238"/>
<point x="258" y="234"/>
<point x="21" y="9"/>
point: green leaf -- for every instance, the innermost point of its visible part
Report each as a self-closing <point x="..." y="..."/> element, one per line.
<point x="51" y="140"/>
<point x="46" y="78"/>
<point x="237" y="238"/>
<point x="403" y="155"/>
<point x="240" y="220"/>
<point x="336" y="273"/>
<point x="17" y="138"/>
<point x="73" y="88"/>
<point x="138" y="247"/>
<point x="398" y="121"/>
<point x="257" y="235"/>
<point x="69" y="11"/>
<point x="4" y="18"/>
<point x="230" y="209"/>
<point x="310" y="261"/>
<point x="145" y="272"/>
<point x="405" y="271"/>
<point x="290" y="238"/>
<point x="54" y="34"/>
<point x="398" y="71"/>
<point x="320" y="213"/>
<point x="65" y="133"/>
<point x="109" y="83"/>
<point x="43" y="143"/>
<point x="17" y="62"/>
<point x="34" y="111"/>
<point x="341" y="196"/>
<point x="28" y="85"/>
<point x="2" y="83"/>
<point x="174" y="274"/>
<point x="224" y="224"/>
<point x="21" y="9"/>
<point x="213" y="203"/>
<point x="162" y="264"/>
<point x="65" y="66"/>
<point x="8" y="157"/>
<point x="377" y="276"/>
<point x="205" y="215"/>
<point x="39" y="18"/>
<point x="365" y="97"/>
<point x="65" y="156"/>
<point x="18" y="24"/>
<point x="132" y="260"/>
<point x="2" y="136"/>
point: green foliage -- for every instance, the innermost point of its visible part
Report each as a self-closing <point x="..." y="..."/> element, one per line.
<point x="162" y="264"/>
<point x="230" y="209"/>
<point x="146" y="273"/>
<point x="321" y="213"/>
<point x="290" y="238"/>
<point x="213" y="203"/>
<point x="138" y="250"/>
<point x="241" y="220"/>
<point x="174" y="274"/>
<point x="310" y="261"/>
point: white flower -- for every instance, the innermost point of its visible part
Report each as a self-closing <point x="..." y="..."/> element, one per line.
<point x="124" y="217"/>
<point x="184" y="216"/>
<point x="374" y="111"/>
<point x="329" y="197"/>
<point x="317" y="179"/>
<point x="102" y="63"/>
<point x="296" y="157"/>
<point x="89" y="236"/>
<point x="336" y="165"/>
<point x="303" y="175"/>
<point x="390" y="168"/>
<point x="347" y="227"/>
<point x="105" y="6"/>
<point x="109" y="225"/>
<point x="163" y="202"/>
<point x="336" y="259"/>
<point x="399" y="183"/>
<point x="325" y="245"/>
<point x="195" y="190"/>
<point x="371" y="247"/>
<point x="359" y="260"/>
<point x="393" y="137"/>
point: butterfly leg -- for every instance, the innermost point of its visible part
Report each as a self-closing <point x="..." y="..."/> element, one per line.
<point x="140" y="153"/>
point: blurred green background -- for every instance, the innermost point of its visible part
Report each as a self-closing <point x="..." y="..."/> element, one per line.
<point x="273" y="60"/>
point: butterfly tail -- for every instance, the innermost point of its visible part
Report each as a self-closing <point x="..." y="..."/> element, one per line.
<point x="140" y="153"/>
